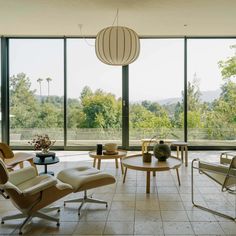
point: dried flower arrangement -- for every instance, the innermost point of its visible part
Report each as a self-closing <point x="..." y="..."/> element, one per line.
<point x="42" y="142"/>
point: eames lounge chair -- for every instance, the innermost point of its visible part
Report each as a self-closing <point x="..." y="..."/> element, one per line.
<point x="31" y="193"/>
<point x="223" y="174"/>
<point x="11" y="160"/>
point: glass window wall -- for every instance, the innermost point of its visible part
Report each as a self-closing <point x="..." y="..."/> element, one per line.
<point x="94" y="96"/>
<point x="212" y="92"/>
<point x="36" y="70"/>
<point x="156" y="91"/>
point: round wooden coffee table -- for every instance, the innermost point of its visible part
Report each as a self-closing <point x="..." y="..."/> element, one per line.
<point x="117" y="156"/>
<point x="135" y="162"/>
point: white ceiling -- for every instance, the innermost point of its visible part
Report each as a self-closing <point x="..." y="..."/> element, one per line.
<point x="146" y="17"/>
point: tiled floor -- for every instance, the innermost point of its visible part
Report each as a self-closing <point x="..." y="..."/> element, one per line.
<point x="167" y="210"/>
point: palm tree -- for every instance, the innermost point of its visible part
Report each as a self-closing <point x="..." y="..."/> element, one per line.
<point x="39" y="80"/>
<point x="48" y="80"/>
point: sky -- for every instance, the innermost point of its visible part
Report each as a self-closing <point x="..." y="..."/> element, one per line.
<point x="157" y="74"/>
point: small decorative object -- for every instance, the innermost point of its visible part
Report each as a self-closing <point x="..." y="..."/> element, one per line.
<point x="110" y="148"/>
<point x="99" y="149"/>
<point x="42" y="142"/>
<point x="147" y="157"/>
<point x="161" y="151"/>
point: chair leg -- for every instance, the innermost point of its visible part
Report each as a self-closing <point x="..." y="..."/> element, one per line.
<point x="202" y="207"/>
<point x="26" y="221"/>
<point x="3" y="194"/>
<point x="31" y="161"/>
<point x="41" y="215"/>
<point x="49" y="209"/>
<point x="84" y="200"/>
<point x="13" y="217"/>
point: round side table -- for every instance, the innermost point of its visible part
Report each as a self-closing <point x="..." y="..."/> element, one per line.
<point x="117" y="156"/>
<point x="46" y="159"/>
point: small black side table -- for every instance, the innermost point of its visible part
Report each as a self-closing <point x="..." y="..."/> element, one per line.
<point x="46" y="159"/>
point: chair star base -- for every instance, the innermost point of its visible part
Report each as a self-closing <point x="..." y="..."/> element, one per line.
<point x="40" y="214"/>
<point x="84" y="200"/>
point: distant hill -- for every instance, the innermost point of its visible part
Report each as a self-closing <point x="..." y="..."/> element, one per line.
<point x="210" y="96"/>
<point x="206" y="96"/>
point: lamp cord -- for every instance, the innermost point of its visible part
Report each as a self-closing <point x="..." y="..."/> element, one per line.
<point x="116" y="18"/>
<point x="86" y="41"/>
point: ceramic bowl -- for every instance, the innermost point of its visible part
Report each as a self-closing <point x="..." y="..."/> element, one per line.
<point x="110" y="147"/>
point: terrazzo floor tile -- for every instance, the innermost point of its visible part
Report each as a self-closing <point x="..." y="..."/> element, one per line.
<point x="90" y="227"/>
<point x="147" y="216"/>
<point x="206" y="228"/>
<point x="114" y="228"/>
<point x="178" y="228"/>
<point x="171" y="206"/>
<point x="144" y="228"/>
<point x="228" y="227"/>
<point x="174" y="216"/>
<point x="121" y="215"/>
<point x="151" y="205"/>
<point x="200" y="216"/>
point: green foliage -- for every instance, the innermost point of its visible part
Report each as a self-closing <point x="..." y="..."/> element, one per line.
<point x="28" y="111"/>
<point x="221" y="120"/>
<point x="228" y="67"/>
<point x="101" y="110"/>
<point x="194" y="119"/>
<point x="141" y="117"/>
<point x="23" y="103"/>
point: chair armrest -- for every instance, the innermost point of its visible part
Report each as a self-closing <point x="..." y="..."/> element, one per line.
<point x="21" y="175"/>
<point x="47" y="183"/>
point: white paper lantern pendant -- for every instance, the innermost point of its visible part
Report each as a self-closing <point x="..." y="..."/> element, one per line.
<point x="117" y="45"/>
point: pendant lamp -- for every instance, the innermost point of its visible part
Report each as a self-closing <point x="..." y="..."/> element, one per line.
<point x="117" y="45"/>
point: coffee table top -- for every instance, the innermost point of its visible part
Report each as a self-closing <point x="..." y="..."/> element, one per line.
<point x="136" y="162"/>
<point x="120" y="154"/>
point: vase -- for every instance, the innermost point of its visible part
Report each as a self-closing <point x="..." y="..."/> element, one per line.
<point x="147" y="157"/>
<point x="161" y="151"/>
<point x="45" y="150"/>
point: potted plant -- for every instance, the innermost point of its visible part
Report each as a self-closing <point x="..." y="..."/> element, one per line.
<point x="147" y="157"/>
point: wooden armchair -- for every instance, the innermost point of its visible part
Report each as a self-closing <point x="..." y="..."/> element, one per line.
<point x="13" y="159"/>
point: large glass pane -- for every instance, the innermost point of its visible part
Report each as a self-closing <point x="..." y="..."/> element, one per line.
<point x="94" y="96"/>
<point x="0" y="93"/>
<point x="156" y="85"/>
<point x="212" y="92"/>
<point x="36" y="89"/>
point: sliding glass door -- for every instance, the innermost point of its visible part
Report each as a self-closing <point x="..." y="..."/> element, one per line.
<point x="93" y="96"/>
<point x="212" y="92"/>
<point x="36" y="70"/>
<point x="156" y="91"/>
